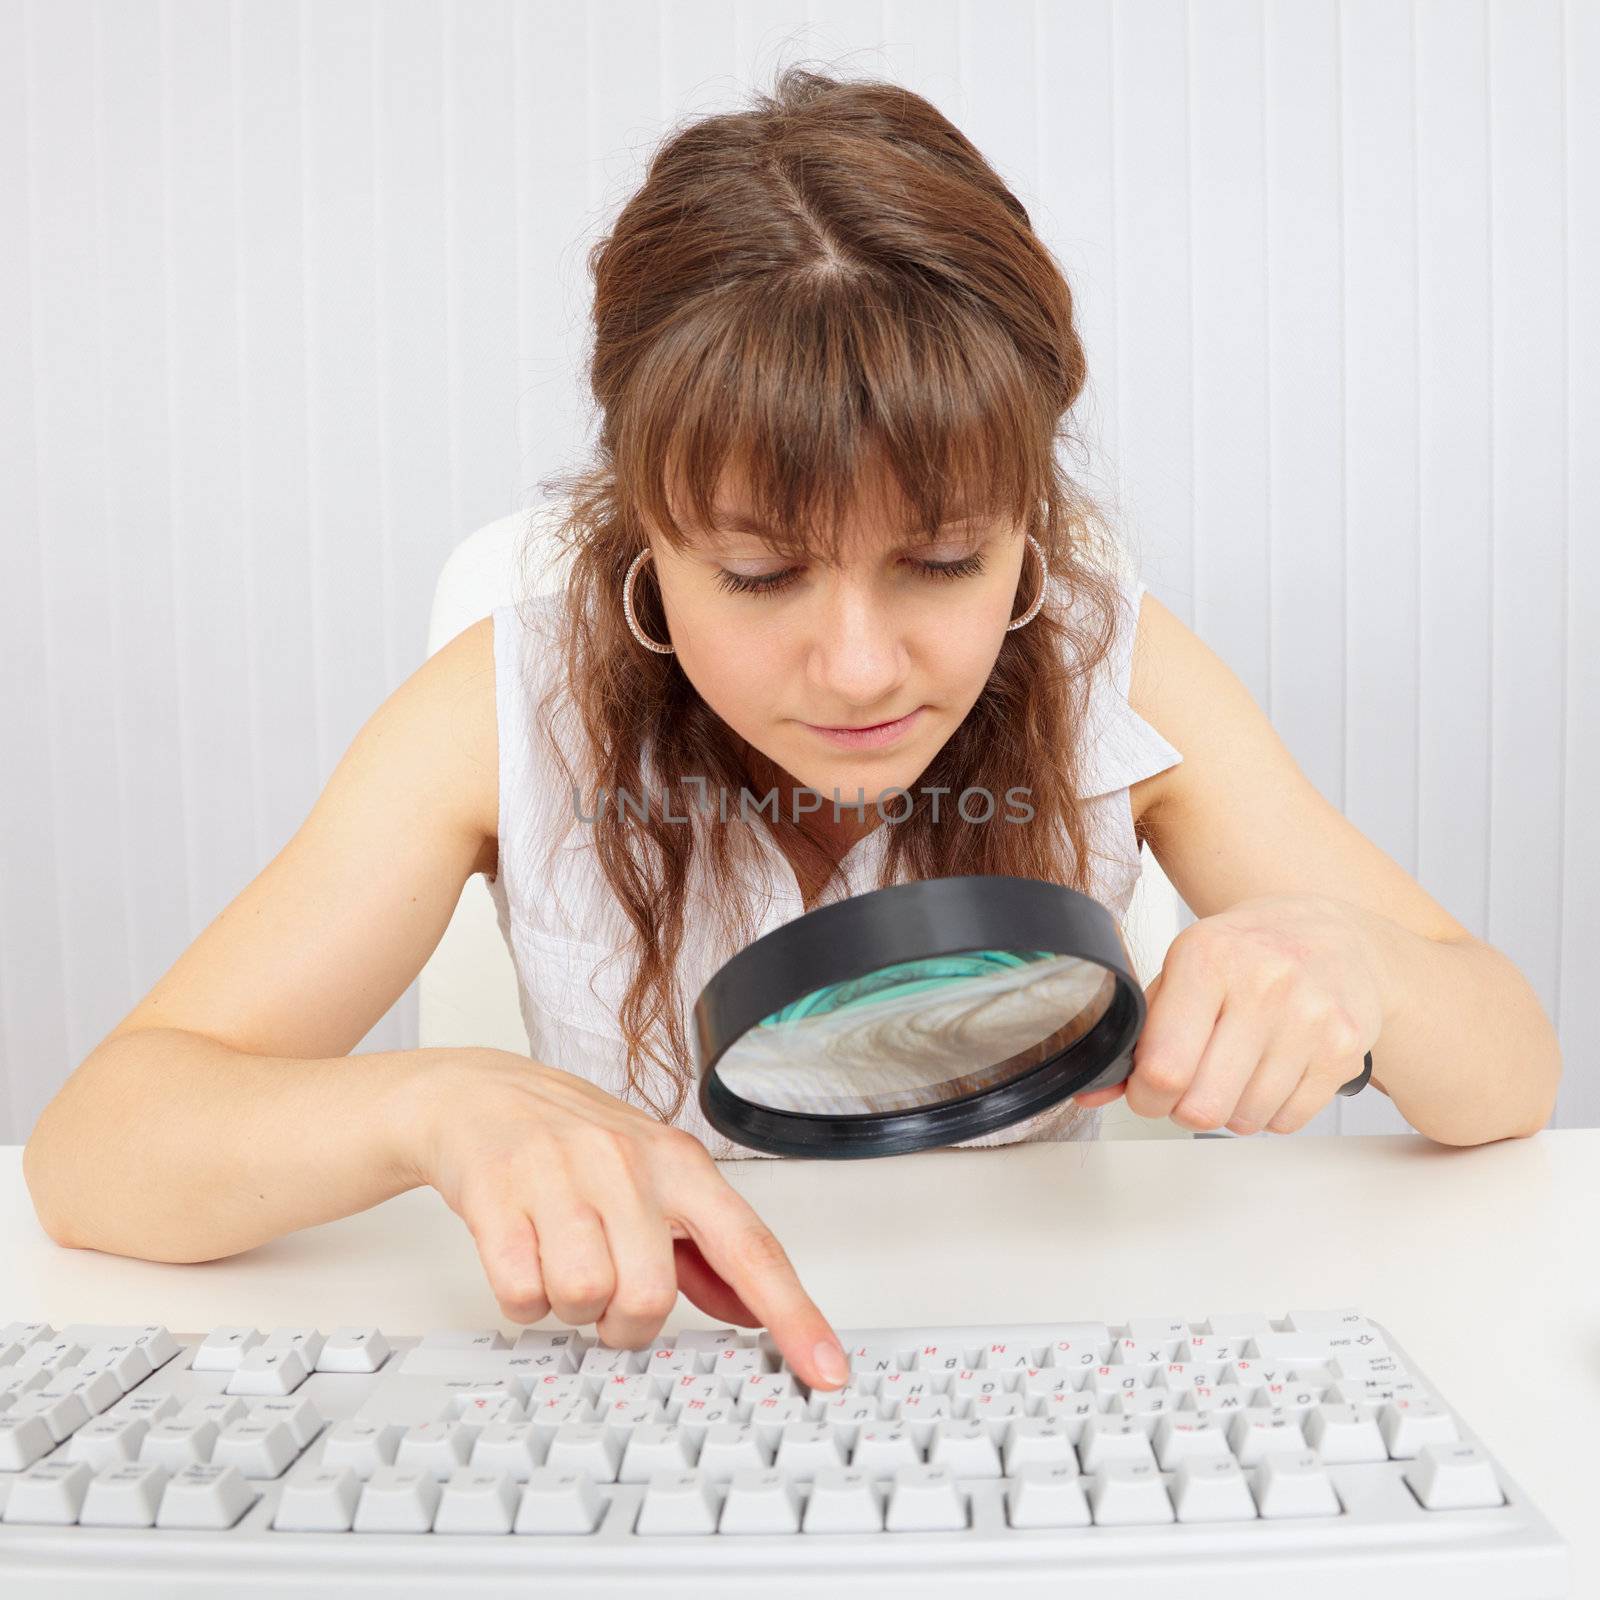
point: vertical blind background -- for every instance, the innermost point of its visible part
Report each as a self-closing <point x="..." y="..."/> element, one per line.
<point x="293" y="298"/>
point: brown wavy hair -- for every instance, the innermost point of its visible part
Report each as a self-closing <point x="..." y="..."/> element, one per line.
<point x="830" y="283"/>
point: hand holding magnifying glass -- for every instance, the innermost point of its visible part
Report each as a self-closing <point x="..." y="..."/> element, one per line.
<point x="1257" y="1017"/>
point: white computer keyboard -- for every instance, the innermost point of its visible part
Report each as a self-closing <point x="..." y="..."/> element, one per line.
<point x="1233" y="1456"/>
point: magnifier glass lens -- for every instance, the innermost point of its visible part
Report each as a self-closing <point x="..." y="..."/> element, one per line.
<point x="918" y="1033"/>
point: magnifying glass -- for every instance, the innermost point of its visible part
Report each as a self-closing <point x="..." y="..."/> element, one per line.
<point x="916" y="1016"/>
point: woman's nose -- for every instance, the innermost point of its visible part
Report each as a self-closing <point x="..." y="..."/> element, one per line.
<point x="856" y="651"/>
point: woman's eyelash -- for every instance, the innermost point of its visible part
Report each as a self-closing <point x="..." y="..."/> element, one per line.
<point x="739" y="583"/>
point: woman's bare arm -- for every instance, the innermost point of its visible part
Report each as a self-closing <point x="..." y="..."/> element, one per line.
<point x="169" y="1146"/>
<point x="225" y="1110"/>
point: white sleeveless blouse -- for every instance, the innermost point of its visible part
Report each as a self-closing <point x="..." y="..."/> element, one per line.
<point x="569" y="938"/>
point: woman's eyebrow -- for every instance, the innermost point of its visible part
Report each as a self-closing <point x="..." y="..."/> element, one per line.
<point x="736" y="521"/>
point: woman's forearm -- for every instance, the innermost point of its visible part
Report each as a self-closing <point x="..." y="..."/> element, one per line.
<point x="1467" y="1051"/>
<point x="169" y="1146"/>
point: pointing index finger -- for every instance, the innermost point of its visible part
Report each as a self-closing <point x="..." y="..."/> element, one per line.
<point x="749" y="1256"/>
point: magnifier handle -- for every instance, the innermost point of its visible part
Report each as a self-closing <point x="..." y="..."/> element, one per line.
<point x="1356" y="1085"/>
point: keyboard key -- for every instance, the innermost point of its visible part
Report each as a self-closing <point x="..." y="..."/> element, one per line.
<point x="920" y="1413"/>
<point x="703" y="1387"/>
<point x="148" y="1408"/>
<point x="353" y="1350"/>
<point x="260" y="1447"/>
<point x="1343" y="1433"/>
<point x="1127" y="1492"/>
<point x="1072" y="1411"/>
<point x="625" y="1416"/>
<point x="843" y="1500"/>
<point x="678" y="1502"/>
<point x="1212" y="1489"/>
<point x="848" y="1418"/>
<point x="602" y="1361"/>
<point x="665" y="1364"/>
<point x="397" y="1500"/>
<point x="220" y="1409"/>
<point x="925" y="1499"/>
<point x="1320" y="1345"/>
<point x="298" y="1413"/>
<point x="223" y="1348"/>
<point x="705" y="1340"/>
<point x="308" y="1342"/>
<point x="62" y="1411"/>
<point x="1236" y="1324"/>
<point x="1342" y="1319"/>
<point x="770" y="1416"/>
<point x="107" y="1442"/>
<point x="263" y="1369"/>
<point x="320" y="1501"/>
<point x="23" y="1440"/>
<point x="655" y="1447"/>
<point x="1407" y="1424"/>
<point x="463" y="1339"/>
<point x="996" y="1412"/>
<point x="695" y="1416"/>
<point x="362" y="1446"/>
<point x="1453" y="1477"/>
<point x="734" y="1364"/>
<point x="178" y="1445"/>
<point x="124" y="1496"/>
<point x="803" y="1447"/>
<point x="879" y="1450"/>
<point x="934" y="1359"/>
<point x="26" y="1333"/>
<point x="1157" y="1330"/>
<point x="1179" y="1437"/>
<point x="50" y="1492"/>
<point x="1045" y="1494"/>
<point x="128" y="1364"/>
<point x="477" y="1502"/>
<point x="1293" y="1483"/>
<point x="1037" y="1441"/>
<point x="1007" y="1355"/>
<point x="435" y="1447"/>
<point x="205" y="1497"/>
<point x="759" y="1500"/>
<point x="1145" y="1352"/>
<point x="551" y="1351"/>
<point x="558" y="1503"/>
<point x="869" y="1361"/>
<point x="758" y="1385"/>
<point x="512" y="1447"/>
<point x="966" y="1447"/>
<point x="1107" y="1439"/>
<point x="731" y="1447"/>
<point x="585" y="1447"/>
<point x="1258" y="1430"/>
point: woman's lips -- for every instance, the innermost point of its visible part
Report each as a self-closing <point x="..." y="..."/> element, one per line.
<point x="884" y="733"/>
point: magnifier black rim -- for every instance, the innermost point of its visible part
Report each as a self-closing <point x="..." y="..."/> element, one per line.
<point x="908" y="922"/>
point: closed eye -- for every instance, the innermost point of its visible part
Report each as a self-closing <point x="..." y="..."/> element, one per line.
<point x="770" y="582"/>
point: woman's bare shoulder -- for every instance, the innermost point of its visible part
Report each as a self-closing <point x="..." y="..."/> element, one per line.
<point x="464" y="679"/>
<point x="1155" y="643"/>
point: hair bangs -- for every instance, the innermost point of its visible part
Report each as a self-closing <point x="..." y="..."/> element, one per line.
<point x="829" y="395"/>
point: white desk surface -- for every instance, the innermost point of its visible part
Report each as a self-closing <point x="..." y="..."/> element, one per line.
<point x="1480" y="1261"/>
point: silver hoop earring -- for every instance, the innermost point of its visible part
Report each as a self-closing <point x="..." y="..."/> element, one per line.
<point x="627" y="608"/>
<point x="1038" y="600"/>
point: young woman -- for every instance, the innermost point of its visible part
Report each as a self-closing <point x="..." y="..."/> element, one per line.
<point x="826" y="547"/>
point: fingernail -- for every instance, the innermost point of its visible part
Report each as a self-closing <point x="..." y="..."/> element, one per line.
<point x="830" y="1361"/>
